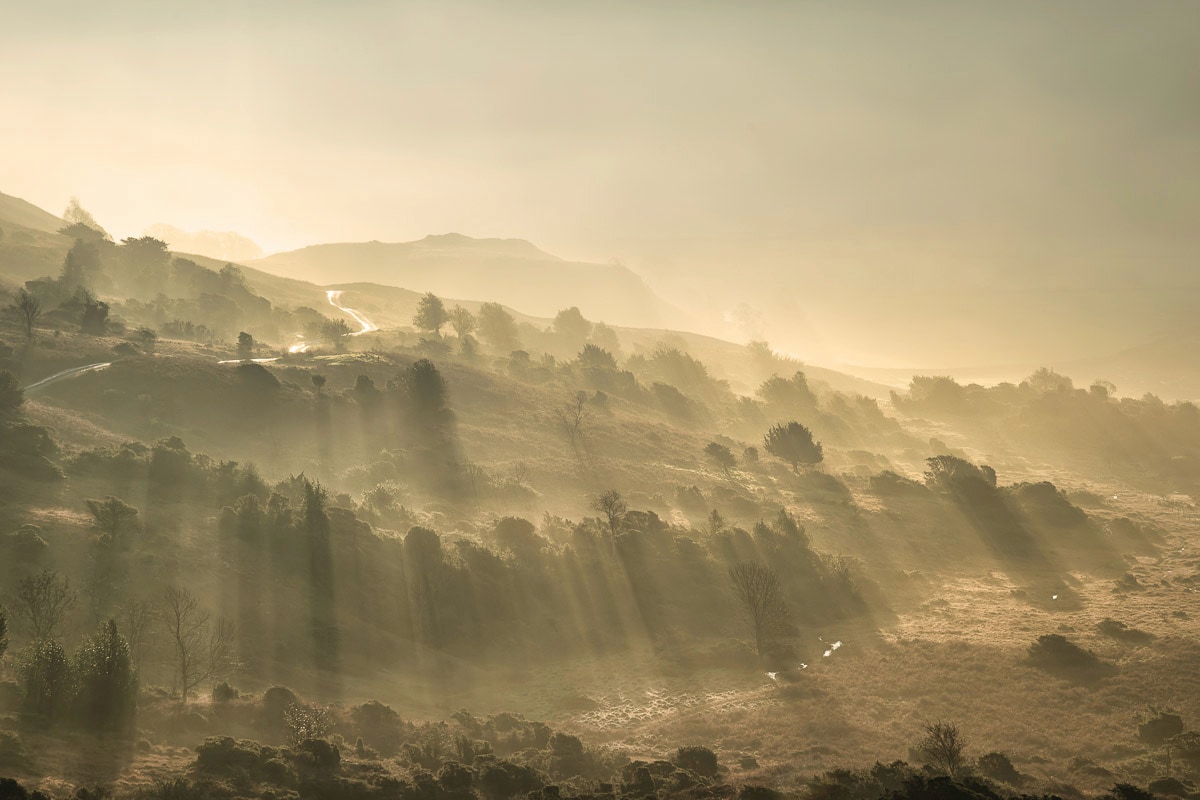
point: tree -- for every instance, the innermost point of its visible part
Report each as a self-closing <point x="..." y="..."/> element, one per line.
<point x="613" y="506"/>
<point x="81" y="264"/>
<point x="75" y="214"/>
<point x="572" y="418"/>
<point x="94" y="319"/>
<point x="12" y="397"/>
<point x="107" y="684"/>
<point x="3" y="631"/>
<point x="757" y="589"/>
<point x="202" y="649"/>
<point x="42" y="603"/>
<point x="137" y="616"/>
<point x="794" y="444"/>
<point x="318" y="382"/>
<point x="721" y="455"/>
<point x="431" y="314"/>
<point x="462" y="321"/>
<point x="498" y="328"/>
<point x="245" y="345"/>
<point x="944" y="748"/>
<point x="29" y="310"/>
<point x="47" y="680"/>
<point x="570" y="325"/>
<point x="110" y="515"/>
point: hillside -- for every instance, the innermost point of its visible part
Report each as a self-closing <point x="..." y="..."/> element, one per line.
<point x="15" y="211"/>
<point x="508" y="271"/>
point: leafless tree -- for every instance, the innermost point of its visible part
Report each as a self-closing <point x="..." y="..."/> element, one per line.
<point x="29" y="309"/>
<point x="202" y="649"/>
<point x="136" y="618"/>
<point x="944" y="748"/>
<point x="42" y="603"/>
<point x="757" y="588"/>
<point x="573" y="418"/>
<point x="613" y="506"/>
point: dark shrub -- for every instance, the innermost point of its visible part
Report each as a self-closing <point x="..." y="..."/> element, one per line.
<point x="317" y="755"/>
<point x="1059" y="655"/>
<point x="699" y="760"/>
<point x="379" y="726"/>
<point x="224" y="693"/>
<point x="455" y="778"/>
<point x="503" y="780"/>
<point x="1122" y="632"/>
<point x="1159" y="726"/>
<point x="223" y="756"/>
<point x="758" y="793"/>
<point x="1172" y="787"/>
<point x="998" y="767"/>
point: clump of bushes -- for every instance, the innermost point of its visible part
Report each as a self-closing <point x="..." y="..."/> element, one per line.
<point x="1057" y="654"/>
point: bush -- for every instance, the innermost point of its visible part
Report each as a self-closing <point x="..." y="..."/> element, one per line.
<point x="1159" y="726"/>
<point x="225" y="756"/>
<point x="503" y="780"/>
<point x="107" y="683"/>
<point x="305" y="723"/>
<point x="1057" y="654"/>
<point x="999" y="767"/>
<point x="379" y="726"/>
<point x="699" y="760"/>
<point x="224" y="693"/>
<point x="892" y="484"/>
<point x="47" y="681"/>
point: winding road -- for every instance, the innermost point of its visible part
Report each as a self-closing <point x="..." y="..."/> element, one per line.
<point x="301" y="346"/>
<point x="335" y="300"/>
<point x="67" y="373"/>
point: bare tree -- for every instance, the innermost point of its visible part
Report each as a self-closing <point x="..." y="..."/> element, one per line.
<point x="29" y="309"/>
<point x="42" y="603"/>
<point x="944" y="748"/>
<point x="757" y="588"/>
<point x="573" y="418"/>
<point x="203" y="650"/>
<point x="613" y="506"/>
<point x="136" y="618"/>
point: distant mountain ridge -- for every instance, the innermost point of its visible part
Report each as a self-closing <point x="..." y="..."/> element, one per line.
<point x="514" y="272"/>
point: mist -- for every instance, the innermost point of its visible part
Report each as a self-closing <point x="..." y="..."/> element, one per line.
<point x="527" y="401"/>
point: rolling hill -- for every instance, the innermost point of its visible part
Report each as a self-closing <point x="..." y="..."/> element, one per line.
<point x="510" y="271"/>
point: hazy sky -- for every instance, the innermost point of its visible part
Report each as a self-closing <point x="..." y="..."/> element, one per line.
<point x="885" y="137"/>
<point x="576" y="124"/>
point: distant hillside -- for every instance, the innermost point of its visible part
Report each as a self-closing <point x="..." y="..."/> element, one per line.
<point x="509" y="271"/>
<point x="224" y="245"/>
<point x="15" y="211"/>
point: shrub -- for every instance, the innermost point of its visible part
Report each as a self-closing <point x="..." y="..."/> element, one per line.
<point x="503" y="780"/>
<point x="224" y="693"/>
<point x="379" y="726"/>
<point x="305" y="722"/>
<point x="699" y="760"/>
<point x="225" y="756"/>
<point x="1159" y="726"/>
<point x="999" y="767"/>
<point x="47" y="680"/>
<point x="107" y="683"/>
<point x="1057" y="654"/>
<point x="455" y="778"/>
<point x="749" y="792"/>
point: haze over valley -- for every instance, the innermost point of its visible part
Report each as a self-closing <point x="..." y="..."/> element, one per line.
<point x="480" y="401"/>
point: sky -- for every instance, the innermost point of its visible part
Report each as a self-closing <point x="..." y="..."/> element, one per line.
<point x="798" y="143"/>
